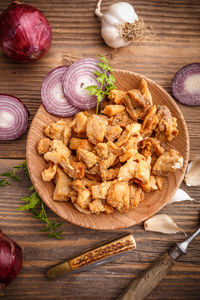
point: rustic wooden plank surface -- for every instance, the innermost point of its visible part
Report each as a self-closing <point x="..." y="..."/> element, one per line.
<point x="76" y="33"/>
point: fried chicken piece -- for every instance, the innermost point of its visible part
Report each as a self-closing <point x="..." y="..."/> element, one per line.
<point x="109" y="174"/>
<point x="121" y="119"/>
<point x="113" y="109"/>
<point x="76" y="143"/>
<point x="138" y="99"/>
<point x="146" y="92"/>
<point x="150" y="121"/>
<point x="132" y="142"/>
<point x="89" y="158"/>
<point x="104" y="164"/>
<point x="100" y="190"/>
<point x="115" y="149"/>
<point x="108" y="209"/>
<point x="136" y="195"/>
<point x="134" y="110"/>
<point x="151" y="185"/>
<point x="102" y="150"/>
<point x="143" y="170"/>
<point x="85" y="211"/>
<point x="132" y="129"/>
<point x="96" y="206"/>
<point x="49" y="173"/>
<point x="117" y="96"/>
<point x="167" y="126"/>
<point x="43" y="146"/>
<point x="63" y="186"/>
<point x="168" y="162"/>
<point x="79" y="123"/>
<point x="128" y="170"/>
<point x="149" y="146"/>
<point x="113" y="132"/>
<point x="159" y="182"/>
<point x="59" y="130"/>
<point x="130" y="153"/>
<point x="118" y="196"/>
<point x="95" y="129"/>
<point x="57" y="152"/>
<point x="84" y="194"/>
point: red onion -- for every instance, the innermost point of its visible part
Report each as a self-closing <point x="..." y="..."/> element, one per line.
<point x="25" y="33"/>
<point x="52" y="95"/>
<point x="78" y="76"/>
<point x="10" y="260"/>
<point x="13" y="117"/>
<point x="186" y="85"/>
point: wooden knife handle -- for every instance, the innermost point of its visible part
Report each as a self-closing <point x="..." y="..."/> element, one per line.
<point x="142" y="286"/>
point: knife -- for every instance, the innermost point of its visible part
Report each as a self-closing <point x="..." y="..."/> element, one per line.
<point x="142" y="286"/>
<point x="94" y="256"/>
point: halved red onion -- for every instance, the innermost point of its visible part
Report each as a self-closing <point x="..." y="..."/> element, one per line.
<point x="13" y="117"/>
<point x="53" y="98"/>
<point x="186" y="85"/>
<point x="10" y="260"/>
<point x="78" y="76"/>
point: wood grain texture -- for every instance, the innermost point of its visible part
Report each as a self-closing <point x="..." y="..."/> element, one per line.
<point x="152" y="203"/>
<point x="76" y="33"/>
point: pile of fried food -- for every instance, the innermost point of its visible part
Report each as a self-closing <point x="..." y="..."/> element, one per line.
<point x="106" y="162"/>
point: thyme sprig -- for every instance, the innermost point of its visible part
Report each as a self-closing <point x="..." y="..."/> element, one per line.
<point x="34" y="203"/>
<point x="106" y="79"/>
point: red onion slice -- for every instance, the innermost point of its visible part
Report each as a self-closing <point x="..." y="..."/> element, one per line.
<point x="186" y="85"/>
<point x="78" y="76"/>
<point x="52" y="95"/>
<point x="13" y="117"/>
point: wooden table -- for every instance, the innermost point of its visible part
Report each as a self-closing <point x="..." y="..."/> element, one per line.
<point x="76" y="33"/>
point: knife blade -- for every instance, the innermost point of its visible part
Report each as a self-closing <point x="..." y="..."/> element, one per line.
<point x="95" y="256"/>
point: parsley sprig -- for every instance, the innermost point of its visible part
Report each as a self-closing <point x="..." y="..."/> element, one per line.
<point x="5" y="180"/>
<point x="34" y="203"/>
<point x="106" y="79"/>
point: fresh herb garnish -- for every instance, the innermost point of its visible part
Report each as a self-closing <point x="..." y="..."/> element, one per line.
<point x="34" y="202"/>
<point x="12" y="175"/>
<point x="106" y="79"/>
<point x="36" y="206"/>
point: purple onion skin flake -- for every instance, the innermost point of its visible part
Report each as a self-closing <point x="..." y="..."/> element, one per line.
<point x="186" y="85"/>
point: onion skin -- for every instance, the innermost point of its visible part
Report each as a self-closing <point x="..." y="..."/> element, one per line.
<point x="25" y="33"/>
<point x="10" y="260"/>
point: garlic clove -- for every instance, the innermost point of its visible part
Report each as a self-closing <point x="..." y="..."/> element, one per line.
<point x="192" y="177"/>
<point x="179" y="196"/>
<point x="161" y="223"/>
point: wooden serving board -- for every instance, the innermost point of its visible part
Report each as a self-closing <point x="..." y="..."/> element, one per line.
<point x="153" y="201"/>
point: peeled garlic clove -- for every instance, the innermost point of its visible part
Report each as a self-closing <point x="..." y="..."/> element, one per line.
<point x="192" y="177"/>
<point x="161" y="223"/>
<point x="179" y="196"/>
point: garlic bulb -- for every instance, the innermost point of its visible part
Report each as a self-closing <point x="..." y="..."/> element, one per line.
<point x="192" y="177"/>
<point x="120" y="24"/>
<point x="161" y="223"/>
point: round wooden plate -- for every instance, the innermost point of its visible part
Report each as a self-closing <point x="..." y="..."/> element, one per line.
<point x="153" y="201"/>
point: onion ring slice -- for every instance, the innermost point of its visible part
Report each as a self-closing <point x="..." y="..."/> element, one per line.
<point x="13" y="117"/>
<point x="53" y="99"/>
<point x="186" y="85"/>
<point x="78" y="76"/>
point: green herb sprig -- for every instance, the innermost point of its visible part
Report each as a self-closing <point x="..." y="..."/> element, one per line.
<point x="12" y="175"/>
<point x="106" y="79"/>
<point x="34" y="203"/>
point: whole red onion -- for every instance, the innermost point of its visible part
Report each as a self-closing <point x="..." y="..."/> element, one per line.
<point x="10" y="260"/>
<point x="25" y="33"/>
